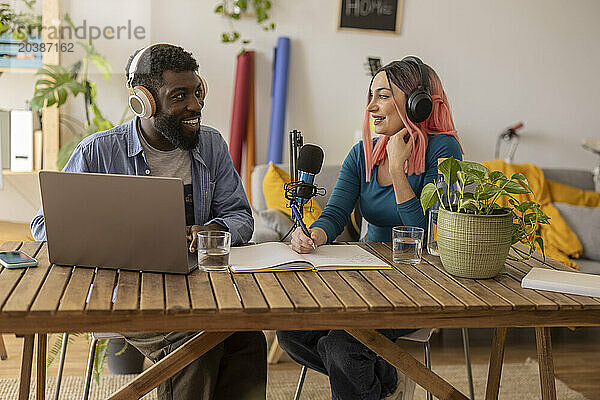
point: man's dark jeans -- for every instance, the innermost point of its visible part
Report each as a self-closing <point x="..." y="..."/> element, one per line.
<point x="354" y="371"/>
<point x="234" y="369"/>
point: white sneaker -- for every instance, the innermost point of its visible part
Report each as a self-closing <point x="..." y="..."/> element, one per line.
<point x="405" y="389"/>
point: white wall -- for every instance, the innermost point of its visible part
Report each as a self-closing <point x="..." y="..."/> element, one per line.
<point x="500" y="61"/>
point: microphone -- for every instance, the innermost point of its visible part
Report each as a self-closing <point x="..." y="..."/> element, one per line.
<point x="310" y="161"/>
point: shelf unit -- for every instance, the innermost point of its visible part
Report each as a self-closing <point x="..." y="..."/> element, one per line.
<point x="50" y="115"/>
<point x="19" y="70"/>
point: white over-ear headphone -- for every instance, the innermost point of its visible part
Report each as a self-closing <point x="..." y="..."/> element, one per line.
<point x="140" y="100"/>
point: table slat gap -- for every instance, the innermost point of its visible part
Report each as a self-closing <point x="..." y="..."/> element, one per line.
<point x="540" y="302"/>
<point x="490" y="298"/>
<point x="297" y="292"/>
<point x="10" y="278"/>
<point x="177" y="297"/>
<point x="252" y="297"/>
<point x="152" y="293"/>
<point x="397" y="297"/>
<point x="350" y="300"/>
<point x="103" y="288"/>
<point x="275" y="296"/>
<point x="323" y="295"/>
<point x="30" y="284"/>
<point x="420" y="297"/>
<point x="127" y="296"/>
<point x="446" y="300"/>
<point x="76" y="292"/>
<point x="375" y="300"/>
<point x="225" y="292"/>
<point x="201" y="293"/>
<point x="447" y="284"/>
<point x="52" y="290"/>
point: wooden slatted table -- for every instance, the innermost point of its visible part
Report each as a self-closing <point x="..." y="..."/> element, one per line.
<point x="52" y="298"/>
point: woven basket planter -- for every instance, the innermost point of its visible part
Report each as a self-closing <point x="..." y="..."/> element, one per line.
<point x="473" y="246"/>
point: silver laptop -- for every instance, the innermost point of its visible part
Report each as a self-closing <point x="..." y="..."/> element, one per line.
<point x="116" y="221"/>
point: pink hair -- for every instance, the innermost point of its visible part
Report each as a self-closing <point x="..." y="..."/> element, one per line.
<point x="439" y="122"/>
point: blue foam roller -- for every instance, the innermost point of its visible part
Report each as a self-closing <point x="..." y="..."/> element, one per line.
<point x="279" y="100"/>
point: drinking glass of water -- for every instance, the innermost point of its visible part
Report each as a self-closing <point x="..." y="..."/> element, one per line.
<point x="432" y="246"/>
<point x="213" y="250"/>
<point x="407" y="244"/>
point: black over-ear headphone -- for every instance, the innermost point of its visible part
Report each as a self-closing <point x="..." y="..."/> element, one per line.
<point x="141" y="101"/>
<point x="418" y="101"/>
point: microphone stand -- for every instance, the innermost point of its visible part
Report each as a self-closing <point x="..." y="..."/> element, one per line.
<point x="296" y="141"/>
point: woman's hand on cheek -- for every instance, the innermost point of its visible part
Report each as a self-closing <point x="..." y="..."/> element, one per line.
<point x="399" y="149"/>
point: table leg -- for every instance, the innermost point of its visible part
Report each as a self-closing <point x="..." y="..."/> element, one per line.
<point x="3" y="353"/>
<point x="41" y="367"/>
<point x="496" y="360"/>
<point x="26" y="367"/>
<point x="406" y="363"/>
<point x="170" y="365"/>
<point x="544" y="351"/>
<point x="275" y="352"/>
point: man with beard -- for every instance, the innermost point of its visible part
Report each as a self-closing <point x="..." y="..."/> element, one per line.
<point x="166" y="139"/>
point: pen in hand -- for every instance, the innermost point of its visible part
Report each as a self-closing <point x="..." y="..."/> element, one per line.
<point x="303" y="226"/>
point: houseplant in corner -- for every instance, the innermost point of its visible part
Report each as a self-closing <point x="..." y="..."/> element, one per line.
<point x="475" y="234"/>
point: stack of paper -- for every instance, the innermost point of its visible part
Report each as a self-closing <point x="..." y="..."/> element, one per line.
<point x="562" y="282"/>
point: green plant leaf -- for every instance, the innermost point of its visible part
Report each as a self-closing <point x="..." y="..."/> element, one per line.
<point x="474" y="167"/>
<point x="464" y="178"/>
<point x="220" y="9"/>
<point x="527" y="205"/>
<point x="486" y="191"/>
<point x="521" y="178"/>
<point x="472" y="205"/>
<point x="449" y="168"/>
<point x="540" y="243"/>
<point x="429" y="196"/>
<point x="514" y="188"/>
<point x="495" y="176"/>
<point x="52" y="87"/>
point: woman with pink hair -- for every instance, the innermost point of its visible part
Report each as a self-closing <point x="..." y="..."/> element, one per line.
<point x="411" y="114"/>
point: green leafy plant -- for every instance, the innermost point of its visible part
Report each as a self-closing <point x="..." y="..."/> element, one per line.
<point x="19" y="24"/>
<point x="100" y="356"/>
<point x="234" y="9"/>
<point x="56" y="83"/>
<point x="489" y="188"/>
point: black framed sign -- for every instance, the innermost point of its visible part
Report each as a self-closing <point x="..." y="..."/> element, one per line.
<point x="372" y="15"/>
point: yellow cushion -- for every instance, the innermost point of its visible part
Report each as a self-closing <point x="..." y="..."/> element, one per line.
<point x="562" y="193"/>
<point x="274" y="193"/>
<point x="560" y="242"/>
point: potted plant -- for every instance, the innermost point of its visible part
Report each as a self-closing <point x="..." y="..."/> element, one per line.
<point x="475" y="234"/>
<point x="56" y="82"/>
<point x="234" y="9"/>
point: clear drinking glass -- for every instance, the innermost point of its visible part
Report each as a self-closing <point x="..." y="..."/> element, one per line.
<point x="432" y="246"/>
<point x="407" y="244"/>
<point x="213" y="250"/>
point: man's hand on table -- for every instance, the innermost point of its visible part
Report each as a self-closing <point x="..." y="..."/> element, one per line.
<point x="191" y="231"/>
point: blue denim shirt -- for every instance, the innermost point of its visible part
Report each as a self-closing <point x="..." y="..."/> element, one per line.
<point x="218" y="192"/>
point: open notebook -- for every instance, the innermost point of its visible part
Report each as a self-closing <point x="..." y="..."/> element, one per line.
<point x="277" y="256"/>
<point x="562" y="282"/>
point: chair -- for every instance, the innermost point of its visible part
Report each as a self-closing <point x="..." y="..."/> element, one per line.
<point x="419" y="336"/>
<point x="90" y="363"/>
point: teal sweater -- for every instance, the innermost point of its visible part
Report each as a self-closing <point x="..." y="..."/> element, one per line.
<point x="378" y="203"/>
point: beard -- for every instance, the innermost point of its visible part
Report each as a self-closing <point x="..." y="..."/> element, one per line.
<point x="172" y="129"/>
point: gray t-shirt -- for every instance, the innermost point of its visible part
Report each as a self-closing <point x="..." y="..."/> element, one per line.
<point x="174" y="163"/>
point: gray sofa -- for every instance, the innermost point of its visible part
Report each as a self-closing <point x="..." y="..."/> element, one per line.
<point x="271" y="225"/>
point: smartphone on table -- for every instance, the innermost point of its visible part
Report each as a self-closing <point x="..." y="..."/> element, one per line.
<point x="16" y="259"/>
